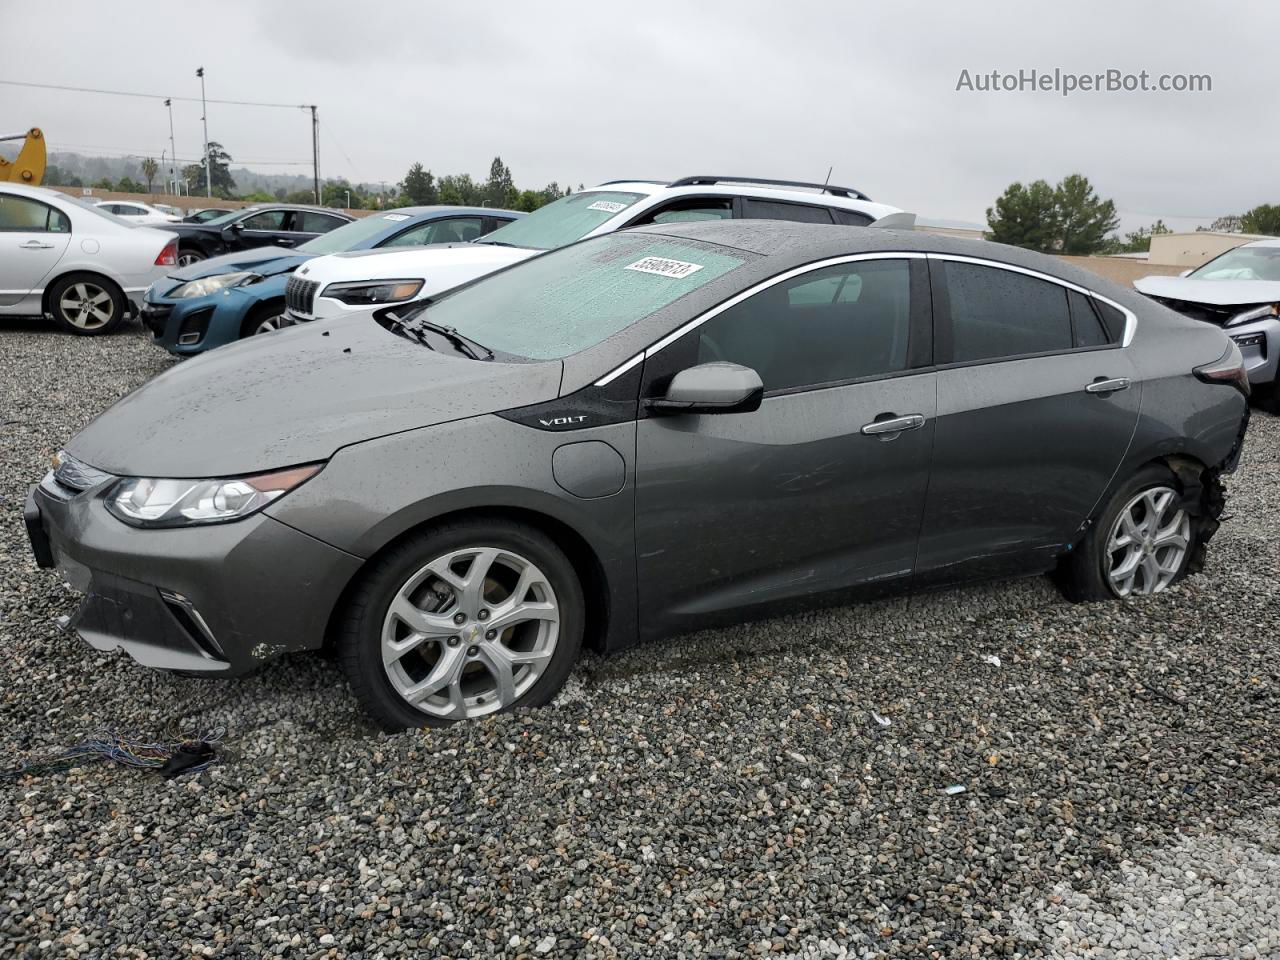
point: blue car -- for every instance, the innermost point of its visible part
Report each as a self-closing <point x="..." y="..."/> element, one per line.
<point x="237" y="295"/>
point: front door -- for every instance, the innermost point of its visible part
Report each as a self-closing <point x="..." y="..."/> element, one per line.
<point x="813" y="495"/>
<point x="33" y="238"/>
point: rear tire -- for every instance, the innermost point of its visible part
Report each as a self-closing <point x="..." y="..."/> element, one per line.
<point x="434" y="632"/>
<point x="189" y="255"/>
<point x="1145" y="528"/>
<point x="86" y="304"/>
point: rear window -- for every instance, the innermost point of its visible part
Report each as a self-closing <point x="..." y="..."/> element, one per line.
<point x="564" y="221"/>
<point x="568" y="300"/>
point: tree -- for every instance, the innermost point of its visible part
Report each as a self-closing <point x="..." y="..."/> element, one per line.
<point x="419" y="187"/>
<point x="334" y="194"/>
<point x="223" y="183"/>
<point x="1228" y="224"/>
<point x="499" y="189"/>
<point x="149" y="170"/>
<point x="104" y="184"/>
<point x="461" y="190"/>
<point x="129" y="185"/>
<point x="1069" y="218"/>
<point x="1264" y="218"/>
<point x="1025" y="217"/>
<point x="1084" y="218"/>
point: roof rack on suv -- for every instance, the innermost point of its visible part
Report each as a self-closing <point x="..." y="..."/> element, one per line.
<point x="631" y="180"/>
<point x="824" y="187"/>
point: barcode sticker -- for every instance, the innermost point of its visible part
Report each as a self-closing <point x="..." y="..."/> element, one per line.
<point x="677" y="269"/>
<point x="396" y="216"/>
<point x="608" y="206"/>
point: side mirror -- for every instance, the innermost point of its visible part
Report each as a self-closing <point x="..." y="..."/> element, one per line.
<point x="238" y="226"/>
<point x="711" y="388"/>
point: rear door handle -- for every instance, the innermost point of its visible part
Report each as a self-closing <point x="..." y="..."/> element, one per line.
<point x="913" y="421"/>
<point x="35" y="245"/>
<point x="1108" y="386"/>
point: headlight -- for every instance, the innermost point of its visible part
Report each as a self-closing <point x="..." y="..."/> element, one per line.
<point x="148" y="502"/>
<point x="1255" y="313"/>
<point x="207" y="285"/>
<point x="369" y="293"/>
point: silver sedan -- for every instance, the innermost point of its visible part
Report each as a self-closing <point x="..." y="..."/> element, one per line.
<point x="73" y="261"/>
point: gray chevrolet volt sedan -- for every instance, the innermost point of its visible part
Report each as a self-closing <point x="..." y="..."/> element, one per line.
<point x="637" y="435"/>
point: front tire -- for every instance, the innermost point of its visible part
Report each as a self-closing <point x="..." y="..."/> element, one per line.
<point x="86" y="305"/>
<point x="460" y="621"/>
<point x="1142" y="543"/>
<point x="266" y="318"/>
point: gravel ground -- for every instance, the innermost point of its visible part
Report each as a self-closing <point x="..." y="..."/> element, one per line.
<point x="727" y="794"/>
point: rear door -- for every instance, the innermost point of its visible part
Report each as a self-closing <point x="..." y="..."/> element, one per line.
<point x="309" y="224"/>
<point x="33" y="238"/>
<point x="812" y="494"/>
<point x="1037" y="405"/>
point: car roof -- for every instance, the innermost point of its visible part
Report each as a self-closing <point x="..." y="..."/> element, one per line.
<point x="782" y="245"/>
<point x="1268" y="242"/>
<point x="445" y="210"/>
<point x="795" y="192"/>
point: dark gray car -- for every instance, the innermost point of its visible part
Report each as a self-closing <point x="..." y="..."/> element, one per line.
<point x="640" y="434"/>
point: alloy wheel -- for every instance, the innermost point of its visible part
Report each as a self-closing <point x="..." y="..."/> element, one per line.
<point x="269" y="324"/>
<point x="469" y="633"/>
<point x="1148" y="543"/>
<point x="87" y="306"/>
<point x="187" y="259"/>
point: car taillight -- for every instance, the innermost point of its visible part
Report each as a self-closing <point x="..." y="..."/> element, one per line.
<point x="1228" y="368"/>
<point x="169" y="255"/>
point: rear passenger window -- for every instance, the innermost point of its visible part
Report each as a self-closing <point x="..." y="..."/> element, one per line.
<point x="850" y="218"/>
<point x="998" y="313"/>
<point x="840" y="323"/>
<point x="308" y="221"/>
<point x="1085" y="321"/>
<point x="754" y="209"/>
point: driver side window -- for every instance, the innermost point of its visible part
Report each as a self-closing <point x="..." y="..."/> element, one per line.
<point x="840" y="323"/>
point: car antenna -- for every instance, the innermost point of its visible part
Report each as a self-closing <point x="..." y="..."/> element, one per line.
<point x="828" y="180"/>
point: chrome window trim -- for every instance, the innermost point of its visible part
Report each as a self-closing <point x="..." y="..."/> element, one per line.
<point x="1130" y="318"/>
<point x="745" y="294"/>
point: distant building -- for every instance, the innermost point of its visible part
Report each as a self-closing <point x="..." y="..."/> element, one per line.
<point x="952" y="228"/>
<point x="1193" y="249"/>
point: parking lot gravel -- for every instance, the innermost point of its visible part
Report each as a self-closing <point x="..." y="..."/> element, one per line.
<point x="775" y="789"/>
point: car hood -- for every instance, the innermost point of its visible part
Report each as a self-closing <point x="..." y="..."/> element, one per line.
<point x="1220" y="293"/>
<point x="445" y="260"/>
<point x="266" y="261"/>
<point x="297" y="396"/>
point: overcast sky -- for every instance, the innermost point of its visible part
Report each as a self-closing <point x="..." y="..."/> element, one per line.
<point x="585" y="92"/>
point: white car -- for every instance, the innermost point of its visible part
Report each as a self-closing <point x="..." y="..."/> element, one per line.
<point x="138" y="212"/>
<point x="74" y="261"/>
<point x="345" y="283"/>
<point x="1239" y="291"/>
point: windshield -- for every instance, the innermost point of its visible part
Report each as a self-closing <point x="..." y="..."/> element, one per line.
<point x="349" y="236"/>
<point x="1242" y="263"/>
<point x="563" y="221"/>
<point x="557" y="304"/>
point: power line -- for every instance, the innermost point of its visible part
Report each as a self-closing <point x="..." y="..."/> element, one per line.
<point x="150" y="96"/>
<point x="116" y="151"/>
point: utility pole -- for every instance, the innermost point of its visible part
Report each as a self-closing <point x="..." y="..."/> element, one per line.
<point x="208" y="161"/>
<point x="173" y="151"/>
<point x="315" y="150"/>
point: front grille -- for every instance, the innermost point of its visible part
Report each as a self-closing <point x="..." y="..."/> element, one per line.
<point x="300" y="295"/>
<point x="1208" y="312"/>
<point x="74" y="475"/>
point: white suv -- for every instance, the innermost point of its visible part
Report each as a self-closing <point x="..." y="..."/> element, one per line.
<point x="344" y="283"/>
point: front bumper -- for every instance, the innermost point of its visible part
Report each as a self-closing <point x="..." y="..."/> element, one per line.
<point x="218" y="599"/>
<point x="189" y="327"/>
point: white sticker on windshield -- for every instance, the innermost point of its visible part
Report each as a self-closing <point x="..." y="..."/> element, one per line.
<point x="608" y="206"/>
<point x="396" y="216"/>
<point x="664" y="267"/>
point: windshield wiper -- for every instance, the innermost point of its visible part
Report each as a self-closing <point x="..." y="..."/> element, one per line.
<point x="495" y="243"/>
<point x="464" y="344"/>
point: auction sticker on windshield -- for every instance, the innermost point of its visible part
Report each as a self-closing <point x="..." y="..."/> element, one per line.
<point x="663" y="267"/>
<point x="396" y="216"/>
<point x="608" y="206"/>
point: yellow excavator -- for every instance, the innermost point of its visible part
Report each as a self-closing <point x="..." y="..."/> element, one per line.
<point x="29" y="166"/>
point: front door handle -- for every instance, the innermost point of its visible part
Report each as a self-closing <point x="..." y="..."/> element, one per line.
<point x="893" y="425"/>
<point x="283" y="242"/>
<point x="35" y="245"/>
<point x="1108" y="386"/>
